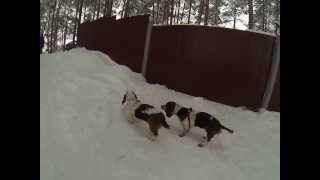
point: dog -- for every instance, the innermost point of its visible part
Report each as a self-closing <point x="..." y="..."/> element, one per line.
<point x="190" y="118"/>
<point x="135" y="109"/>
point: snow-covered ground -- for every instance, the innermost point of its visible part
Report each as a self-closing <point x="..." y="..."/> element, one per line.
<point x="85" y="136"/>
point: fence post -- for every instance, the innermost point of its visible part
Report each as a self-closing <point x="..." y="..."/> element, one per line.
<point x="146" y="48"/>
<point x="273" y="72"/>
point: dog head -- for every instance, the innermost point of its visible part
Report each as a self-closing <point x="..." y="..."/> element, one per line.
<point x="129" y="96"/>
<point x="169" y="108"/>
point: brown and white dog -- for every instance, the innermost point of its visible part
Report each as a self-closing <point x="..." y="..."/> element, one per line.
<point x="135" y="109"/>
<point x="190" y="118"/>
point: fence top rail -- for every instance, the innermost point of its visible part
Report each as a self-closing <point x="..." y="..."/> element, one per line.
<point x="212" y="26"/>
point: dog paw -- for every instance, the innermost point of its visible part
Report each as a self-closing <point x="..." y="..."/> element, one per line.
<point x="200" y="145"/>
<point x="182" y="135"/>
<point x="152" y="138"/>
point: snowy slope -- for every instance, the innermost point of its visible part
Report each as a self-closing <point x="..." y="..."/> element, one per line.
<point x="85" y="136"/>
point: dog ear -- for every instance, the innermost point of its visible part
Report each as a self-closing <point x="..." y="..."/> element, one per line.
<point x="135" y="95"/>
<point x="124" y="98"/>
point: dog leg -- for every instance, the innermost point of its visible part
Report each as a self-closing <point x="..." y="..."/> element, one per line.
<point x="207" y="139"/>
<point x="152" y="137"/>
<point x="184" y="129"/>
<point x="154" y="131"/>
<point x="131" y="118"/>
<point x="204" y="142"/>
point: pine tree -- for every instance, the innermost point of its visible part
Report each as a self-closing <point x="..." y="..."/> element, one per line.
<point x="250" y="9"/>
<point x="190" y="7"/>
<point x="206" y="12"/>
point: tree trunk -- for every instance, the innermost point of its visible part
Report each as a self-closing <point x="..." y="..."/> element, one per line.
<point x="206" y="13"/>
<point x="56" y="29"/>
<point x="52" y="25"/>
<point x="48" y="31"/>
<point x="79" y="19"/>
<point x="216" y="12"/>
<point x="168" y="13"/>
<point x="250" y="6"/>
<point x="179" y="4"/>
<point x="98" y="11"/>
<point x="182" y="14"/>
<point x="94" y="9"/>
<point x="66" y="26"/>
<point x="127" y="9"/>
<point x="264" y="15"/>
<point x="234" y="16"/>
<point x="171" y="13"/>
<point x="200" y="11"/>
<point x="123" y="8"/>
<point x="153" y="12"/>
<point x="76" y="22"/>
<point x="65" y="34"/>
<point x="85" y="11"/>
<point x="278" y="10"/>
<point x="105" y="8"/>
<point x="158" y="9"/>
<point x="175" y="16"/>
<point x="190" y="7"/>
<point x="109" y="10"/>
<point x="164" y="12"/>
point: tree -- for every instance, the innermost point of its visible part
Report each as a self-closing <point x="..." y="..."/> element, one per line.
<point x="109" y="10"/>
<point x="182" y="14"/>
<point x="52" y="25"/>
<point x="126" y="9"/>
<point x="178" y="5"/>
<point x="200" y="11"/>
<point x="56" y="28"/>
<point x="216" y="12"/>
<point x="79" y="18"/>
<point x="153" y="18"/>
<point x="206" y="13"/>
<point x="60" y="19"/>
<point x="250" y="9"/>
<point x="164" y="12"/>
<point x="190" y="7"/>
<point x="234" y="8"/>
<point x="158" y="11"/>
<point x="264" y="14"/>
<point x="171" y="13"/>
<point x="98" y="11"/>
<point x="75" y="21"/>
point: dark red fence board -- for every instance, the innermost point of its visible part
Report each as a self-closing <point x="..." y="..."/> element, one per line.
<point x="123" y="40"/>
<point x="223" y="65"/>
<point x="274" y="104"/>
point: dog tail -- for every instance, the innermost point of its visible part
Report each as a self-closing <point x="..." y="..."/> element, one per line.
<point x="229" y="130"/>
<point x="164" y="123"/>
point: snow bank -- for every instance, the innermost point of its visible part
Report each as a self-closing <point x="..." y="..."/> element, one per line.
<point x="85" y="136"/>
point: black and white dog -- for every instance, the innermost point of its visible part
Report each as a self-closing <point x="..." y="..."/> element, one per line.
<point x="135" y="109"/>
<point x="190" y="118"/>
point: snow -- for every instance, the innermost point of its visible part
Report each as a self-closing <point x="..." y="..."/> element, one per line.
<point x="85" y="136"/>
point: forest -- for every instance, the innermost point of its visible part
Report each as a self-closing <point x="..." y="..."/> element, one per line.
<point x="60" y="19"/>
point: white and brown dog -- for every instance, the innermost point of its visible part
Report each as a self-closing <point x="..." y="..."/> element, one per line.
<point x="190" y="118"/>
<point x="135" y="109"/>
